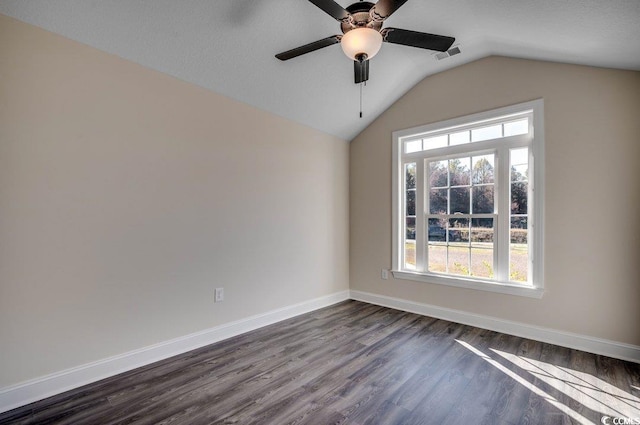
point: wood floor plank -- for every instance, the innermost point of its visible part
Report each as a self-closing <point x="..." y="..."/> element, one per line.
<point x="359" y="364"/>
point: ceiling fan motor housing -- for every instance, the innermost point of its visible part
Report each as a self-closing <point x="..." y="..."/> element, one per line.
<point x="360" y="17"/>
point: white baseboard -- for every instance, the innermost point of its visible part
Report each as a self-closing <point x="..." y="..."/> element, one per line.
<point x="47" y="386"/>
<point x="589" y="344"/>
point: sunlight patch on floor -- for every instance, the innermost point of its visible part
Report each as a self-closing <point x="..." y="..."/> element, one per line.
<point x="550" y="399"/>
<point x="589" y="390"/>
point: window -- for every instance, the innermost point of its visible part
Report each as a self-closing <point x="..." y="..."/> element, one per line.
<point x="468" y="201"/>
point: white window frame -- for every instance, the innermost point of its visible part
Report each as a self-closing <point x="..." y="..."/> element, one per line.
<point x="535" y="288"/>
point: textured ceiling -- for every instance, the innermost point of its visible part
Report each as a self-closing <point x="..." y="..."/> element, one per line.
<point x="228" y="46"/>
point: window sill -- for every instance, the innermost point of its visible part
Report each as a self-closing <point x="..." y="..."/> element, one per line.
<point x="502" y="288"/>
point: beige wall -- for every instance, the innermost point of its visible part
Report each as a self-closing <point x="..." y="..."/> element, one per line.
<point x="592" y="237"/>
<point x="127" y="196"/>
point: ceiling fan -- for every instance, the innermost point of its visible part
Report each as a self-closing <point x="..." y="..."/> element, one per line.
<point x="362" y="33"/>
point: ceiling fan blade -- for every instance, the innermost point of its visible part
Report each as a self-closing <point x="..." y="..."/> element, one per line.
<point x="361" y="71"/>
<point x="307" y="48"/>
<point x="422" y="40"/>
<point x="332" y="8"/>
<point x="385" y="8"/>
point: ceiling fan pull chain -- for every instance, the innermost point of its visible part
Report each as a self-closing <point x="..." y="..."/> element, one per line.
<point x="361" y="84"/>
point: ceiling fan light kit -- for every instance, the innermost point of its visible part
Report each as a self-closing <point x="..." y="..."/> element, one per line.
<point x="361" y="43"/>
<point x="363" y="35"/>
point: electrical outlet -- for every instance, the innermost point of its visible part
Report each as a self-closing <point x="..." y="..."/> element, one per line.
<point x="219" y="295"/>
<point x="384" y="274"/>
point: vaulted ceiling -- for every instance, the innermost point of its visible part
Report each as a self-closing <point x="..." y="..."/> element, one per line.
<point x="228" y="46"/>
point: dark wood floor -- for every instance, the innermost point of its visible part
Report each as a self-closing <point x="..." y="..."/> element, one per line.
<point x="356" y="363"/>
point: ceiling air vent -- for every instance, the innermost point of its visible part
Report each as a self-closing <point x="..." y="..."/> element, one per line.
<point x="451" y="52"/>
